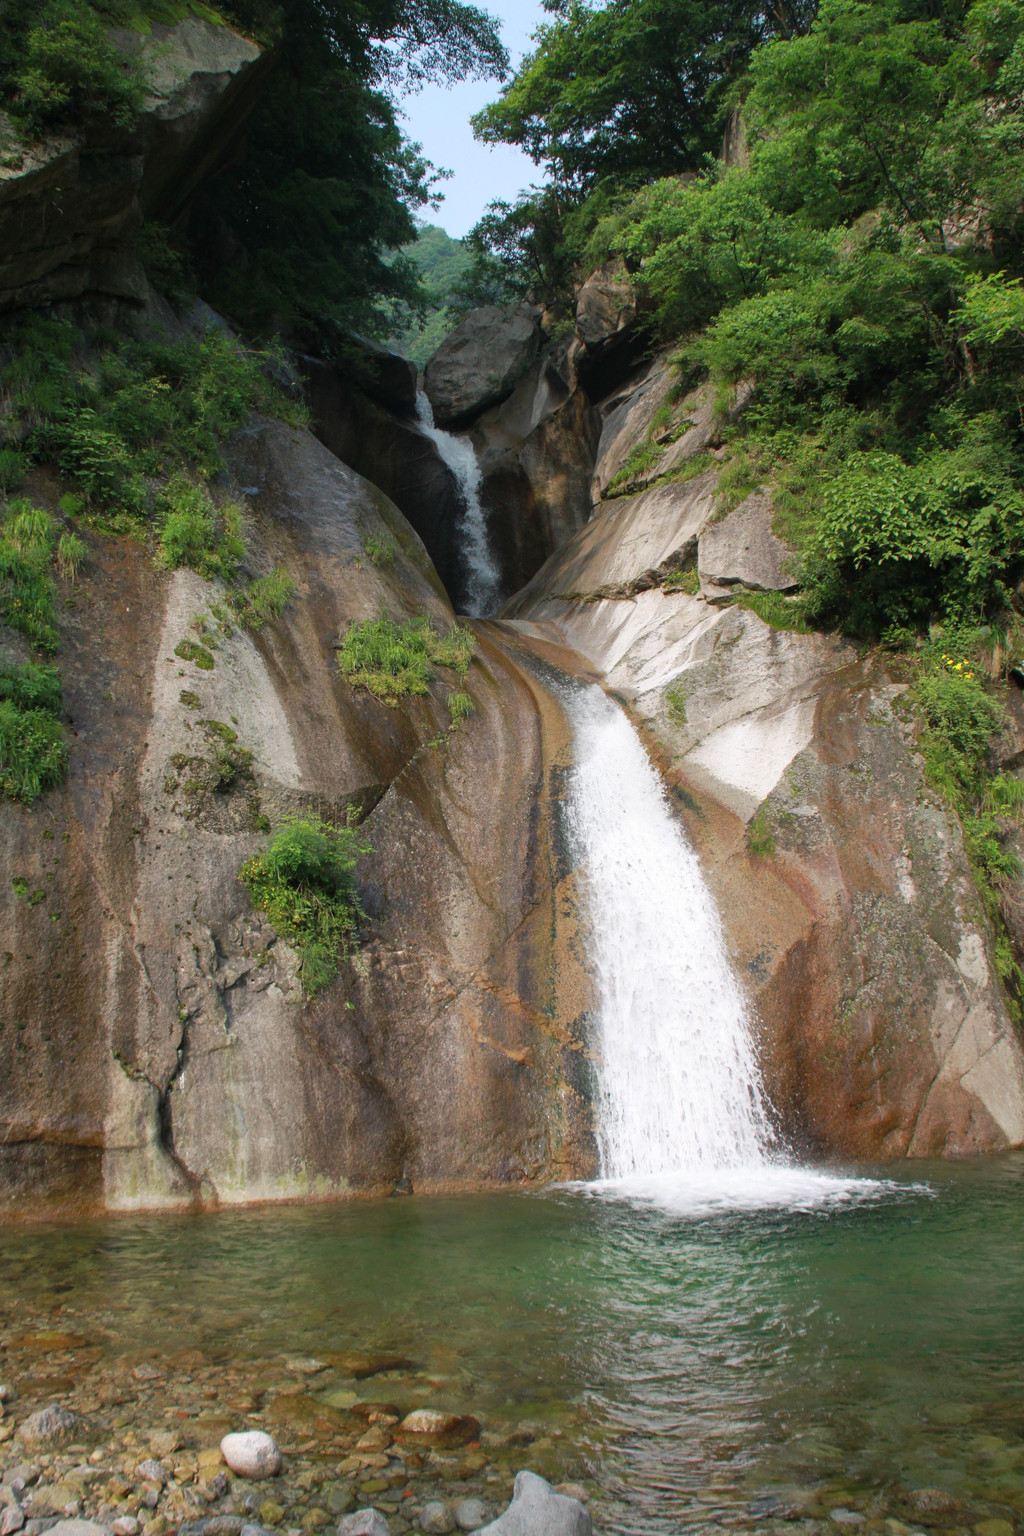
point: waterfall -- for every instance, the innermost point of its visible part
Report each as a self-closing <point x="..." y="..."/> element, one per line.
<point x="680" y="1110"/>
<point x="679" y="1086"/>
<point x="460" y="457"/>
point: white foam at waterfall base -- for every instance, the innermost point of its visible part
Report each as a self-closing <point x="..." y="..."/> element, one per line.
<point x="458" y="453"/>
<point x="681" y="1116"/>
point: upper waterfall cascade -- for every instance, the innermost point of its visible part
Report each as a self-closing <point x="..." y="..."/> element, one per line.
<point x="679" y="1086"/>
<point x="458" y="453"/>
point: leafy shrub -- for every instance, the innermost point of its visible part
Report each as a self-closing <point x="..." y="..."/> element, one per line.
<point x="144" y="409"/>
<point x="960" y="717"/>
<point x="683" y="581"/>
<point x="196" y="533"/>
<point x="636" y="467"/>
<point x="776" y="610"/>
<point x="64" y="69"/>
<point x="33" y="752"/>
<point x="32" y="686"/>
<point x="190" y="650"/>
<point x="676" y="696"/>
<point x="394" y="660"/>
<point x="759" y="837"/>
<point x="12" y="469"/>
<point x="166" y="264"/>
<point x="304" y="883"/>
<point x="935" y="535"/>
<point x="262" y="600"/>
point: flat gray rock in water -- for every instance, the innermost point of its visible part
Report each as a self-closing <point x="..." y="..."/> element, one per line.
<point x="742" y="550"/>
<point x="537" y="1510"/>
<point x="364" y="1522"/>
<point x="49" y="1424"/>
<point x="78" y="1528"/>
<point x="481" y="361"/>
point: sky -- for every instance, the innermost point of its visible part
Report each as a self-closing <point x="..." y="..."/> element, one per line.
<point x="439" y="120"/>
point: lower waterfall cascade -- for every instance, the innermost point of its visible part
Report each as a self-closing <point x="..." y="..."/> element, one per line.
<point x="459" y="455"/>
<point x="681" y="1115"/>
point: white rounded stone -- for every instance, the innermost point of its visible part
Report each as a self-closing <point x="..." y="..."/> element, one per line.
<point x="251" y="1453"/>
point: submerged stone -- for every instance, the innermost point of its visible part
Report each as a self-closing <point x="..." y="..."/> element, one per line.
<point x="49" y="1425"/>
<point x="365" y="1522"/>
<point x="537" y="1510"/>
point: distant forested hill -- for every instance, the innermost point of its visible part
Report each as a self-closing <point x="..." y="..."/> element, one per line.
<point x="442" y="262"/>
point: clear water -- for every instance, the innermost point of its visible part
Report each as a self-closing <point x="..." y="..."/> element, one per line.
<point x="483" y="577"/>
<point x="698" y="1371"/>
<point x="678" y="1082"/>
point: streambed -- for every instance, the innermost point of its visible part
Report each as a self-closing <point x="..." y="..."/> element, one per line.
<point x="797" y="1369"/>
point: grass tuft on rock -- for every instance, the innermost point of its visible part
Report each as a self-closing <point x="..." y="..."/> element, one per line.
<point x="395" y="660"/>
<point x="304" y="883"/>
<point x="263" y="600"/>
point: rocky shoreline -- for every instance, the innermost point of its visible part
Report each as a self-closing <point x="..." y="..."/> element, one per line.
<point x="92" y="1445"/>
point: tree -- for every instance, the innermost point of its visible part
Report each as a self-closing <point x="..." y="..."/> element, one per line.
<point x="632" y="89"/>
<point x="328" y="185"/>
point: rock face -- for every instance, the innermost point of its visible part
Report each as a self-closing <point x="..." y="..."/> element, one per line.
<point x="850" y="911"/>
<point x="168" y="1054"/>
<point x="396" y="457"/>
<point x="481" y="361"/>
<point x="536" y="454"/>
<point x="69" y="211"/>
<point x="742" y="551"/>
<point x="537" y="1510"/>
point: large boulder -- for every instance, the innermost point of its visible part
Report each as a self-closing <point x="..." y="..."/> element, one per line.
<point x="481" y="361"/>
<point x="606" y="305"/>
<point x="71" y="203"/>
<point x="537" y="1510"/>
<point x="609" y="323"/>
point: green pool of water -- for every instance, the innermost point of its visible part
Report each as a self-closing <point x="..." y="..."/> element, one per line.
<point x="694" y="1371"/>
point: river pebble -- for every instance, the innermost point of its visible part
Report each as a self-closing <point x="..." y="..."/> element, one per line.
<point x="470" y="1514"/>
<point x="429" y="1421"/>
<point x="435" y="1519"/>
<point x="251" y="1453"/>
